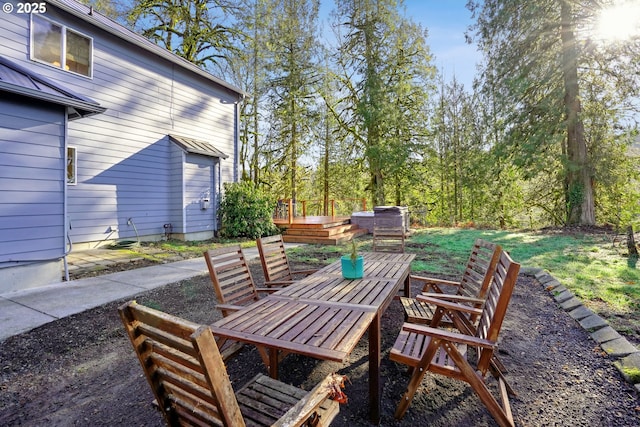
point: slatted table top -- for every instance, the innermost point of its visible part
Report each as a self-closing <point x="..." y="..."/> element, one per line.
<point x="322" y="315"/>
<point x="324" y="330"/>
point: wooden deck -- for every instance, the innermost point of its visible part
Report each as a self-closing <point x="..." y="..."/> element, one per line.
<point x="328" y="230"/>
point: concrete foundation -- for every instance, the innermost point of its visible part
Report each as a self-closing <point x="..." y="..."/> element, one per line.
<point x="31" y="275"/>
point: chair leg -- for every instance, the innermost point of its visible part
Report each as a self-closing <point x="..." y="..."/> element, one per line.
<point x="504" y="396"/>
<point x="407" y="397"/>
<point x="229" y="348"/>
<point x="264" y="355"/>
<point x="497" y="370"/>
<point x="417" y="374"/>
<point x="500" y="414"/>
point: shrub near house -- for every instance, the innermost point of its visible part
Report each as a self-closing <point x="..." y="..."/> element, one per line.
<point x="246" y="211"/>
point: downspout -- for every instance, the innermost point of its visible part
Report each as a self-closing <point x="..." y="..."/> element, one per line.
<point x="67" y="224"/>
<point x="236" y="139"/>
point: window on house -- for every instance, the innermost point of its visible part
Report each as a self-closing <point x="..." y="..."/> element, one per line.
<point x="72" y="165"/>
<point x="60" y="46"/>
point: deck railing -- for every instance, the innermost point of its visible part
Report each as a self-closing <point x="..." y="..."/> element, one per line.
<point x="287" y="208"/>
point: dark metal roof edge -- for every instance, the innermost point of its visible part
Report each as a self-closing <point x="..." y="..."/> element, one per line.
<point x="124" y="33"/>
<point x="205" y="153"/>
<point x="89" y="108"/>
<point x="44" y="80"/>
<point x="176" y="140"/>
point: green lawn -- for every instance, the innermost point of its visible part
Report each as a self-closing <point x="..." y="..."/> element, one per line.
<point x="588" y="264"/>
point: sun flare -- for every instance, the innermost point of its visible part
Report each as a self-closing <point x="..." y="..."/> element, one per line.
<point x="619" y="22"/>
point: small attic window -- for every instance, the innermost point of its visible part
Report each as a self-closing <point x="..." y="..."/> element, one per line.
<point x="61" y="47"/>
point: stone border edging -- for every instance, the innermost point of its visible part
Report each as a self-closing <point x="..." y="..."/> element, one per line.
<point x="626" y="355"/>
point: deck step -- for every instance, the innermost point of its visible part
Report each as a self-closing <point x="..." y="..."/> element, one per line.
<point x="334" y="239"/>
<point x="316" y="225"/>
<point x="321" y="232"/>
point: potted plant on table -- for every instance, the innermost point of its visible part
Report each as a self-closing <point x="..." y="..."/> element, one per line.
<point x="352" y="264"/>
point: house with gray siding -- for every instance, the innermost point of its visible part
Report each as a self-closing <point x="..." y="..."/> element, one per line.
<point x="104" y="137"/>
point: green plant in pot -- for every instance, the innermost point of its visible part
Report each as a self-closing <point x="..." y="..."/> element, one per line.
<point x="352" y="264"/>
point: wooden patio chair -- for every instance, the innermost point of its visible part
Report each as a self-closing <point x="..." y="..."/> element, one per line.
<point x="275" y="263"/>
<point x="191" y="386"/>
<point x="471" y="288"/>
<point x="234" y="288"/>
<point x="388" y="238"/>
<point x="444" y="352"/>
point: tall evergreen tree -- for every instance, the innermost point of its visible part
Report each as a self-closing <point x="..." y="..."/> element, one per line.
<point x="192" y="29"/>
<point x="537" y="56"/>
<point x="293" y="75"/>
<point x="384" y="63"/>
<point x="247" y="69"/>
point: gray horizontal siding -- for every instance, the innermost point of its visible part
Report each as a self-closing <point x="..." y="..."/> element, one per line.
<point x="12" y="32"/>
<point x="125" y="165"/>
<point x="31" y="181"/>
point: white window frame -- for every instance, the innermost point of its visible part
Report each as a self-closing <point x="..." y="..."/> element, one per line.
<point x="71" y="154"/>
<point x="63" y="47"/>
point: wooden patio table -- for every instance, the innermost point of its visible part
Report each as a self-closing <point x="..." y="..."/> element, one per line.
<point x="324" y="316"/>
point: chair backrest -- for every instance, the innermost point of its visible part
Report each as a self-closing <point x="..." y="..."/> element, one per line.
<point x="273" y="257"/>
<point x="183" y="367"/>
<point x="479" y="269"/>
<point x="388" y="238"/>
<point x="498" y="296"/>
<point x="231" y="276"/>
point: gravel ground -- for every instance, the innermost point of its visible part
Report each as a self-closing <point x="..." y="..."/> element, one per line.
<point x="82" y="370"/>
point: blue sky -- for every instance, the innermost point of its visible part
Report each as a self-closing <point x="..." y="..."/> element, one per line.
<point x="446" y="21"/>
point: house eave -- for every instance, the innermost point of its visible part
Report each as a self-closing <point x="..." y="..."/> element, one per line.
<point x="89" y="15"/>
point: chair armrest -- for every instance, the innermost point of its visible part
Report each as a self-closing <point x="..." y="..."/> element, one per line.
<point x="229" y="307"/>
<point x="301" y="411"/>
<point x="448" y="335"/>
<point x="435" y="280"/>
<point x="453" y="297"/>
<point x="449" y="305"/>
<point x="268" y="290"/>
<point x="306" y="272"/>
<point x="279" y="283"/>
<point x="434" y="283"/>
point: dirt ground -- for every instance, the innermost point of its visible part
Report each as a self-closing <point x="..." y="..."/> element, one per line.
<point x="82" y="370"/>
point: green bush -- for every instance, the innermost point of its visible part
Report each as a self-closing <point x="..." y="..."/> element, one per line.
<point x="246" y="211"/>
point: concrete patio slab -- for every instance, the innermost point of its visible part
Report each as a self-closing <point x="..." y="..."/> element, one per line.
<point x="154" y="276"/>
<point x="74" y="297"/>
<point x="16" y="318"/>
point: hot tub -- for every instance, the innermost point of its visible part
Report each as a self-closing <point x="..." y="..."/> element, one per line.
<point x="363" y="219"/>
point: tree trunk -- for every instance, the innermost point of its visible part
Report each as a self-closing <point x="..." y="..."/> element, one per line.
<point x="631" y="242"/>
<point x="580" y="191"/>
<point x="294" y="152"/>
<point x="325" y="178"/>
